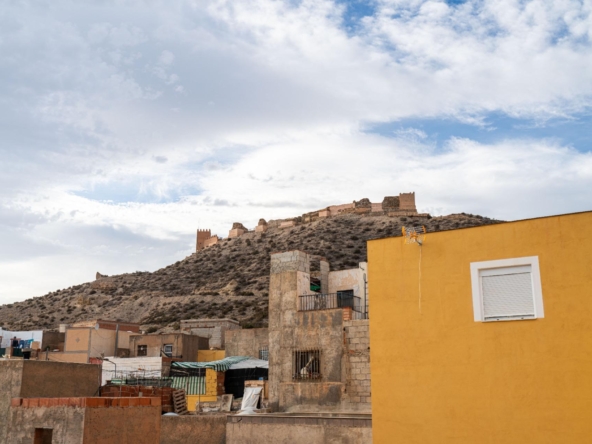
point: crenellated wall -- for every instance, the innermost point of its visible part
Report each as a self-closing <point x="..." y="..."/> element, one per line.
<point x="394" y="206"/>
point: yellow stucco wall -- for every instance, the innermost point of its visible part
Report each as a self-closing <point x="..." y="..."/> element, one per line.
<point x="211" y="394"/>
<point x="192" y="401"/>
<point x="210" y="355"/>
<point x="440" y="377"/>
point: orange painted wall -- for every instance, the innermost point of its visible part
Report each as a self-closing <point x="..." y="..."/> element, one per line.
<point x="440" y="377"/>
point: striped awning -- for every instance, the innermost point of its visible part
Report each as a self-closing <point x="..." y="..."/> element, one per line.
<point x="220" y="366"/>
<point x="193" y="385"/>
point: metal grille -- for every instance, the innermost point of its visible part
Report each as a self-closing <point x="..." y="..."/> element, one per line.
<point x="317" y="301"/>
<point x="507" y="294"/>
<point x="142" y="350"/>
<point x="264" y="353"/>
<point x="306" y="365"/>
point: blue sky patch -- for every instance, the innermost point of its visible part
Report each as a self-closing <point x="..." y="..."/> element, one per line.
<point x="575" y="132"/>
<point x="356" y="10"/>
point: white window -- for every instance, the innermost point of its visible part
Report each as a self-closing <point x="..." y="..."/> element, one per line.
<point x="168" y="350"/>
<point x="507" y="289"/>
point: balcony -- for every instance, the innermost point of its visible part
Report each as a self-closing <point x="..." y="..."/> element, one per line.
<point x="319" y="301"/>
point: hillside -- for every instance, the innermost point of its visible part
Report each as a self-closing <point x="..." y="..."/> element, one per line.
<point x="229" y="279"/>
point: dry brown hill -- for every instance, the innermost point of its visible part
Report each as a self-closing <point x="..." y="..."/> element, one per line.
<point x="229" y="279"/>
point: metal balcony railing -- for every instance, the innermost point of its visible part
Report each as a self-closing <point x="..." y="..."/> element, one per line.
<point x="318" y="301"/>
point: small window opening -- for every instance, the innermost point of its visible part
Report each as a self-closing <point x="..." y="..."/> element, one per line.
<point x="142" y="350"/>
<point x="43" y="436"/>
<point x="168" y="350"/>
<point x="307" y="365"/>
<point x="315" y="285"/>
<point x="264" y="353"/>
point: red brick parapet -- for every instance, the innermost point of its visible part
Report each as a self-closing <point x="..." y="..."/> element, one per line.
<point x="347" y="313"/>
<point x="85" y="402"/>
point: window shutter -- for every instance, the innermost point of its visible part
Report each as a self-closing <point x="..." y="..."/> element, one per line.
<point x="508" y="293"/>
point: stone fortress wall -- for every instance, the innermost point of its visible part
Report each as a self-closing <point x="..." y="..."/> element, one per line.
<point x="401" y="205"/>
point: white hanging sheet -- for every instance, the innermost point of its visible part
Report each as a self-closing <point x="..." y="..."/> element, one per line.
<point x="251" y="398"/>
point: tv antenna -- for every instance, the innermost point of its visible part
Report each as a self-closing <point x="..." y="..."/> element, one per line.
<point x="416" y="235"/>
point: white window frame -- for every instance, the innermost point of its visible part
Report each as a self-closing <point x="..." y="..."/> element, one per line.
<point x="477" y="289"/>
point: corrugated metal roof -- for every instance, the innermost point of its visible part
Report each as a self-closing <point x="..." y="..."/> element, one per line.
<point x="220" y="366"/>
<point x="250" y="363"/>
<point x="193" y="385"/>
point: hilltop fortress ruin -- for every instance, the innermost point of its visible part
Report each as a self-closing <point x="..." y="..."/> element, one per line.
<point x="401" y="205"/>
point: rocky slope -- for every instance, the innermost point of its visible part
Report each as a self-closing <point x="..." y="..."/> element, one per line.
<point x="229" y="279"/>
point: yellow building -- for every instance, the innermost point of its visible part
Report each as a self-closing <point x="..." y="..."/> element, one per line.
<point x="484" y="335"/>
<point x="214" y="387"/>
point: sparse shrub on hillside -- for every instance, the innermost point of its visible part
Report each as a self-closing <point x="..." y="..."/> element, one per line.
<point x="198" y="286"/>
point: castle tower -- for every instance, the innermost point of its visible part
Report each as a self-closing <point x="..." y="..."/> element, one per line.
<point x="202" y="235"/>
<point x="407" y="202"/>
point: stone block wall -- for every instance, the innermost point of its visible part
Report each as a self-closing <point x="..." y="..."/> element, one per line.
<point x="211" y="241"/>
<point x="357" y="364"/>
<point x="407" y="202"/>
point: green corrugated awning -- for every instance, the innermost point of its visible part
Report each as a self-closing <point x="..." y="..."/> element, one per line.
<point x="220" y="366"/>
<point x="193" y="385"/>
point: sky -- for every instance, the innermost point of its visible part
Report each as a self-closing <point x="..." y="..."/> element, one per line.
<point x="127" y="125"/>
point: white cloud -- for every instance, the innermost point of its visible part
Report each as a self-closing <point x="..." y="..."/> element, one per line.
<point x="135" y="125"/>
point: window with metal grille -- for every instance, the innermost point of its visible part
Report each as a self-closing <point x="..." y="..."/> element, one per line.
<point x="506" y="290"/>
<point x="142" y="350"/>
<point x="306" y="365"/>
<point x="264" y="353"/>
<point x="168" y="350"/>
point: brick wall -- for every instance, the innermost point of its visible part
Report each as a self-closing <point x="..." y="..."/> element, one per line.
<point x="357" y="349"/>
<point x="133" y="391"/>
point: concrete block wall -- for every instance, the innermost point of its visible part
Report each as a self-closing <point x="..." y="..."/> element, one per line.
<point x="214" y="329"/>
<point x="204" y="428"/>
<point x="325" y="270"/>
<point x="290" y="261"/>
<point x="246" y="342"/>
<point x="298" y="429"/>
<point x="31" y="379"/>
<point x="343" y="344"/>
<point x="357" y="364"/>
<point x="85" y="420"/>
